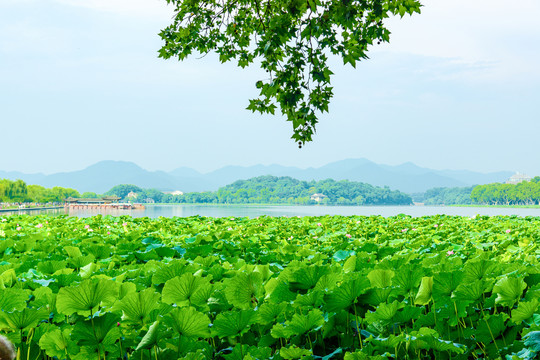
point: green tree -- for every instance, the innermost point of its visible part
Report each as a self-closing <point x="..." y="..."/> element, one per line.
<point x="291" y="41"/>
<point x="123" y="189"/>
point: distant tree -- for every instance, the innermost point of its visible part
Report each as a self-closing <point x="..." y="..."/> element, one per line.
<point x="123" y="190"/>
<point x="290" y="40"/>
<point x="90" y="195"/>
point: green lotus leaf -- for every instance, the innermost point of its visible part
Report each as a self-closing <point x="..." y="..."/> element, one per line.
<point x="85" y="297"/>
<point x="181" y="289"/>
<point x="138" y="306"/>
<point x="233" y="323"/>
<point x="125" y="289"/>
<point x="103" y="333"/>
<point x="301" y="324"/>
<point x="429" y="339"/>
<point x="469" y="292"/>
<point x="278" y="291"/>
<point x="408" y="279"/>
<point x="376" y="296"/>
<point x="509" y="290"/>
<point x="13" y="299"/>
<point x="307" y="277"/>
<point x="384" y="312"/>
<point x="243" y="290"/>
<point x="407" y="314"/>
<point x="492" y="326"/>
<point x="188" y="322"/>
<point x="57" y="343"/>
<point x="151" y="338"/>
<point x="444" y="283"/>
<point x="171" y="270"/>
<point x="81" y="261"/>
<point x="524" y="311"/>
<point x="294" y="352"/>
<point x="50" y="267"/>
<point x="479" y="269"/>
<point x="23" y="320"/>
<point x="532" y="340"/>
<point x="423" y="297"/>
<point x="346" y="294"/>
<point x="73" y="251"/>
<point x="269" y="312"/>
<point x="380" y="278"/>
<point x="8" y="278"/>
<point x="328" y="282"/>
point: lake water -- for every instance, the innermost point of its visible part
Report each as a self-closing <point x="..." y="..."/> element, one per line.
<point x="154" y="211"/>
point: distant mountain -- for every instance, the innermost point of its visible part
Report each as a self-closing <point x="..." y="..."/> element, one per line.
<point x="406" y="177"/>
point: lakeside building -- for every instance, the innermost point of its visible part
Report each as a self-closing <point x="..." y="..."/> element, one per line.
<point x="99" y="201"/>
<point x="518" y="178"/>
<point x="318" y="197"/>
<point x="131" y="195"/>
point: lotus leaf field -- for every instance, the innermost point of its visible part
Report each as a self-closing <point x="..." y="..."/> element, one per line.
<point x="328" y="287"/>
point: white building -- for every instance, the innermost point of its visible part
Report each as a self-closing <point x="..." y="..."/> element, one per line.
<point x="518" y="178"/>
<point x="176" y="192"/>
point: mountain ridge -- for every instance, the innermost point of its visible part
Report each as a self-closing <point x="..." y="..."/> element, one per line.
<point x="407" y="177"/>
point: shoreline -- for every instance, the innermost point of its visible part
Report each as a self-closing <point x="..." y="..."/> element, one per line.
<point x="31" y="209"/>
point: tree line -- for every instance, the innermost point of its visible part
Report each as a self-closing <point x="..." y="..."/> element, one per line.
<point x="277" y="190"/>
<point x="16" y="191"/>
<point x="524" y="193"/>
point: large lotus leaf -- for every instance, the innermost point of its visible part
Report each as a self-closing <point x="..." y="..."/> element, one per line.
<point x="301" y="324"/>
<point x="57" y="343"/>
<point x="73" y="251"/>
<point x="328" y="282"/>
<point x="358" y="355"/>
<point x="87" y="270"/>
<point x="429" y="339"/>
<point x="243" y="290"/>
<point x="376" y="296"/>
<point x="151" y="338"/>
<point x="479" y="269"/>
<point x="13" y="299"/>
<point x="492" y="326"/>
<point x="171" y="270"/>
<point x="306" y="277"/>
<point x="50" y="267"/>
<point x="509" y="290"/>
<point x="408" y="279"/>
<point x="384" y="312"/>
<point x="423" y="296"/>
<point x="81" y="261"/>
<point x="125" y="289"/>
<point x="346" y="294"/>
<point x="181" y="289"/>
<point x="85" y="297"/>
<point x="444" y="283"/>
<point x="138" y="306"/>
<point x="470" y="291"/>
<point x="24" y="319"/>
<point x="188" y="322"/>
<point x="44" y="297"/>
<point x="524" y="311"/>
<point x="294" y="352"/>
<point x="233" y="323"/>
<point x="104" y="331"/>
<point x="8" y="278"/>
<point x="269" y="312"/>
<point x="532" y="340"/>
<point x="407" y="314"/>
<point x="380" y="278"/>
<point x="278" y="291"/>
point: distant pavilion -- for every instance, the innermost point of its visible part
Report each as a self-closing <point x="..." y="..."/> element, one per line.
<point x="100" y="201"/>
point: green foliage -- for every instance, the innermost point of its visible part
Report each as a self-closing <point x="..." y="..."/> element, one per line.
<point x="204" y="288"/>
<point x="17" y="192"/>
<point x="448" y="196"/>
<point x="290" y="40"/>
<point x="524" y="193"/>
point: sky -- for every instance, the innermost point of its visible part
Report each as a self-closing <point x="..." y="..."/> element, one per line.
<point x="457" y="87"/>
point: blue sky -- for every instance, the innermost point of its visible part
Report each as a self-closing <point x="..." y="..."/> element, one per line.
<point x="458" y="87"/>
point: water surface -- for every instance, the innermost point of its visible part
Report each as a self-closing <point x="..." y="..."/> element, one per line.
<point x="155" y="211"/>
